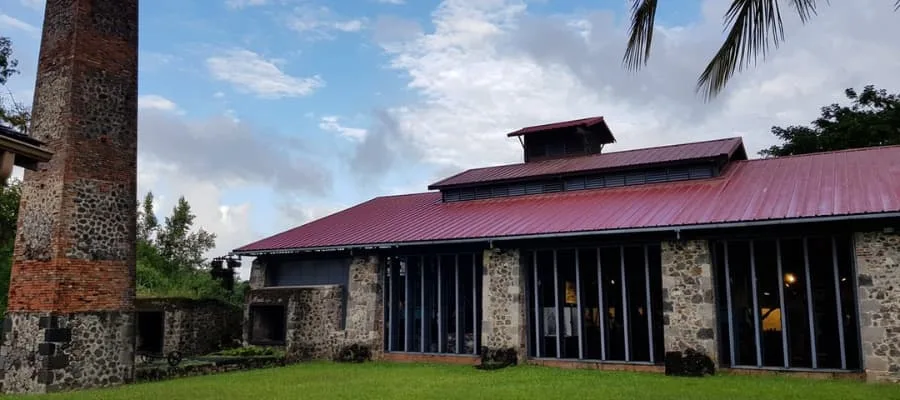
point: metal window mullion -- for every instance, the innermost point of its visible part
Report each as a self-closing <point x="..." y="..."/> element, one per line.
<point x="602" y="309"/>
<point x="649" y="305"/>
<point x="558" y="321"/>
<point x="627" y="330"/>
<point x="441" y="314"/>
<point x="837" y="300"/>
<point x="809" y="305"/>
<point x="538" y="339"/>
<point x="422" y="304"/>
<point x="755" y="293"/>
<point x="407" y="307"/>
<point x="578" y="305"/>
<point x="456" y="306"/>
<point x="784" y="339"/>
<point x="728" y="302"/>
<point x="475" y="336"/>
<point x="389" y="279"/>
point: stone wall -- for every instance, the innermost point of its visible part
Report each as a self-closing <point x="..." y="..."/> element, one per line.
<point x="258" y="273"/>
<point x="44" y="353"/>
<point x="689" y="308"/>
<point x="503" y="322"/>
<point x="317" y="323"/>
<point x="313" y="318"/>
<point x="196" y="327"/>
<point x="878" y="266"/>
<point x="365" y="307"/>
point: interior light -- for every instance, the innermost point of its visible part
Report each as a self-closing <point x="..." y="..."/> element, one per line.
<point x="790" y="278"/>
<point x="765" y="293"/>
<point x="844" y="279"/>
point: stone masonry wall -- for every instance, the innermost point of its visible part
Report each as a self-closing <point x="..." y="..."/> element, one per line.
<point x="878" y="266"/>
<point x="314" y="325"/>
<point x="196" y="327"/>
<point x="45" y="353"/>
<point x="313" y="318"/>
<point x="365" y="307"/>
<point x="689" y="310"/>
<point x="258" y="273"/>
<point x="503" y="311"/>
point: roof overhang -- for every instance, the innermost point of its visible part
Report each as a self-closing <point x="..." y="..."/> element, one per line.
<point x="656" y="229"/>
<point x="17" y="151"/>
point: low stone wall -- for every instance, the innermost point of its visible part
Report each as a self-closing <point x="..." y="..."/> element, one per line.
<point x="313" y="318"/>
<point x="158" y="373"/>
<point x="316" y="321"/>
<point x="195" y="327"/>
<point x="878" y="267"/>
<point x="689" y="305"/>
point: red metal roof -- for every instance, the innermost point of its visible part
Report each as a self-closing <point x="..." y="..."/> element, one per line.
<point x="584" y="122"/>
<point x="827" y="184"/>
<point x="597" y="162"/>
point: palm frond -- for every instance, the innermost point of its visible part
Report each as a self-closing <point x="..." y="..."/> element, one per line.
<point x="807" y="8"/>
<point x="643" y="14"/>
<point x="754" y="24"/>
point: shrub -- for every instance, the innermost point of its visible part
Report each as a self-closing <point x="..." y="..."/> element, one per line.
<point x="251" y="351"/>
<point x="691" y="363"/>
<point x="353" y="353"/>
<point x="497" y="358"/>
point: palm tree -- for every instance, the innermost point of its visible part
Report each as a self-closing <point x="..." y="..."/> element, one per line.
<point x="754" y="26"/>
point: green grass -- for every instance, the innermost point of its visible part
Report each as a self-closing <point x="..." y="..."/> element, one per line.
<point x="324" y="380"/>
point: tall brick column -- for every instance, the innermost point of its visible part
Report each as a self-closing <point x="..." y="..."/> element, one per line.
<point x="878" y="267"/>
<point x="70" y="318"/>
<point x="689" y="307"/>
<point x="503" y="321"/>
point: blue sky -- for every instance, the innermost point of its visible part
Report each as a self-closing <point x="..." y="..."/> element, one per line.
<point x="268" y="113"/>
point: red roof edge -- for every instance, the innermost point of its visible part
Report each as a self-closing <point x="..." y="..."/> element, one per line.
<point x="583" y="122"/>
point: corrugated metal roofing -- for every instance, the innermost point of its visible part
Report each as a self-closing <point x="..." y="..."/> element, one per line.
<point x="596" y="162"/>
<point x="559" y="125"/>
<point x="827" y="184"/>
<point x="11" y="133"/>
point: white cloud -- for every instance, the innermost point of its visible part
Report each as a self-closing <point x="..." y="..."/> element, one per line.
<point x="395" y="2"/>
<point x="157" y="102"/>
<point x="332" y="123"/>
<point x="319" y="22"/>
<point x="251" y="72"/>
<point x="218" y="95"/>
<point x="14" y="23"/>
<point x="490" y="67"/>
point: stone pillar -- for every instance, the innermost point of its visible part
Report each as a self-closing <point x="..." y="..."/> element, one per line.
<point x="365" y="306"/>
<point x="70" y="317"/>
<point x="503" y="323"/>
<point x="689" y="307"/>
<point x="257" y="273"/>
<point x="878" y="269"/>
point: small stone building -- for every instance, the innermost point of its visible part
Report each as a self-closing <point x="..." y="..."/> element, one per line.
<point x="606" y="259"/>
<point x="191" y="327"/>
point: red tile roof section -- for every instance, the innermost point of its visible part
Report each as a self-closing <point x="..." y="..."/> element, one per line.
<point x="596" y="162"/>
<point x="827" y="184"/>
<point x="558" y="125"/>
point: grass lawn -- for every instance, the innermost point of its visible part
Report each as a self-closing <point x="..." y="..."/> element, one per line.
<point x="324" y="380"/>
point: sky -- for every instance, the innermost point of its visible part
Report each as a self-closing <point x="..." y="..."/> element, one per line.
<point x="266" y="114"/>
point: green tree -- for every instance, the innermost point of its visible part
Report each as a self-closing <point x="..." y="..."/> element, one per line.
<point x="178" y="243"/>
<point x="871" y="119"/>
<point x="12" y="113"/>
<point x="753" y="26"/>
<point x="9" y="212"/>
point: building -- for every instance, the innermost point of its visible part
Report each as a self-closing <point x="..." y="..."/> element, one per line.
<point x="191" y="327"/>
<point x="579" y="256"/>
<point x="21" y="150"/>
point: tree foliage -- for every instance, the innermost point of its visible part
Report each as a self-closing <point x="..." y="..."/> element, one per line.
<point x="12" y="112"/>
<point x="9" y="212"/>
<point x="170" y="261"/>
<point x="754" y="27"/>
<point x="871" y="119"/>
